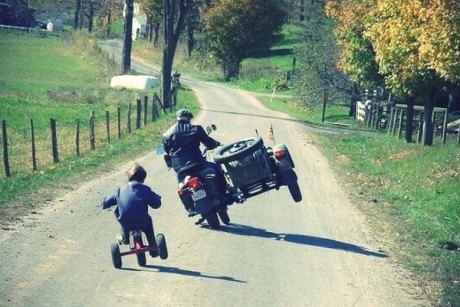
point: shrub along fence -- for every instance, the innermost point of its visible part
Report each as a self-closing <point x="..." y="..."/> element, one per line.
<point x="31" y="148"/>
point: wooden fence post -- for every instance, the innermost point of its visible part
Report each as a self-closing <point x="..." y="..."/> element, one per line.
<point x="146" y="107"/>
<point x="444" y="127"/>
<point x="401" y="121"/>
<point x="33" y="149"/>
<point x="157" y="104"/>
<point x="138" y="113"/>
<point x="6" y="163"/>
<point x="420" y="127"/>
<point x="129" y="118"/>
<point x="119" y="122"/>
<point x="107" y="121"/>
<point x="77" y="138"/>
<point x="54" y="141"/>
<point x="92" y="137"/>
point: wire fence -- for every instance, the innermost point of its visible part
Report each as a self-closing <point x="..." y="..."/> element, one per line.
<point x="34" y="148"/>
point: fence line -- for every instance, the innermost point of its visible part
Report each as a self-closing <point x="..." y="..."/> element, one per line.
<point x="29" y="149"/>
<point x="382" y="115"/>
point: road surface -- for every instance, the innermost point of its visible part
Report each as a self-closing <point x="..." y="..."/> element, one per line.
<point x="319" y="252"/>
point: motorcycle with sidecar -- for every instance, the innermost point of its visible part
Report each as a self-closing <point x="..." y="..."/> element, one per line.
<point x="250" y="168"/>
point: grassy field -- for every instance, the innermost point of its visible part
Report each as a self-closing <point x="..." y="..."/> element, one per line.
<point x="65" y="79"/>
<point x="410" y="193"/>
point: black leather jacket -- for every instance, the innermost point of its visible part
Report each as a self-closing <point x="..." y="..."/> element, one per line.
<point x="182" y="143"/>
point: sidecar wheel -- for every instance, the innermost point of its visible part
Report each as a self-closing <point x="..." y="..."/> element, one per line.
<point x="212" y="219"/>
<point x="296" y="194"/>
<point x="224" y="217"/>
<point x="162" y="248"/>
<point x="237" y="150"/>
<point x="116" y="256"/>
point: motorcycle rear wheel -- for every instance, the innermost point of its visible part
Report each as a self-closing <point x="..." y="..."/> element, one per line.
<point x="212" y="219"/>
<point x="224" y="217"/>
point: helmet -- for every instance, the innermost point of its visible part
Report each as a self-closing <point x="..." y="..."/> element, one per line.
<point x="184" y="114"/>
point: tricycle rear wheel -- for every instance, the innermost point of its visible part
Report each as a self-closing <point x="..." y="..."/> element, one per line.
<point x="162" y="248"/>
<point x="116" y="256"/>
<point x="141" y="259"/>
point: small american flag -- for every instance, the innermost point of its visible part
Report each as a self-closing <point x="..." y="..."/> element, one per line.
<point x="271" y="135"/>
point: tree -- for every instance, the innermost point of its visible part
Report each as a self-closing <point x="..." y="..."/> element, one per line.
<point x="154" y="11"/>
<point x="357" y="58"/>
<point x="417" y="64"/>
<point x="175" y="12"/>
<point x="90" y="9"/>
<point x="412" y="45"/>
<point x="128" y="39"/>
<point x="317" y="56"/>
<point x="237" y="29"/>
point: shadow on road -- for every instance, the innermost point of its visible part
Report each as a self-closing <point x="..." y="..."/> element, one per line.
<point x="172" y="270"/>
<point x="244" y="230"/>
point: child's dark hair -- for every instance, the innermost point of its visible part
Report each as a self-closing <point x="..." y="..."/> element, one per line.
<point x="136" y="173"/>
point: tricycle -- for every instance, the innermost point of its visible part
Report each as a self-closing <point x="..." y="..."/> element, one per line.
<point x="138" y="247"/>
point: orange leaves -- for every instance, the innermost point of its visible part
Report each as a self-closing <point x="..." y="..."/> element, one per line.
<point x="410" y="40"/>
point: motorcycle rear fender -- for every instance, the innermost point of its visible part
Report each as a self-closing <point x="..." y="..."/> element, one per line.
<point x="203" y="205"/>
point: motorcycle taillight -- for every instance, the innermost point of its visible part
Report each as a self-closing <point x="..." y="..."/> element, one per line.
<point x="193" y="182"/>
<point x="279" y="153"/>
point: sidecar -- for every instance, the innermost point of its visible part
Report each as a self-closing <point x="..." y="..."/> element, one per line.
<point x="252" y="168"/>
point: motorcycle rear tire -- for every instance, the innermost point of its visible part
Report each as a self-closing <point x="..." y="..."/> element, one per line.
<point x="224" y="217"/>
<point x="212" y="219"/>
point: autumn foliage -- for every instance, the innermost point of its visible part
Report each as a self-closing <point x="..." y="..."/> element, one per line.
<point x="408" y="38"/>
<point x="412" y="48"/>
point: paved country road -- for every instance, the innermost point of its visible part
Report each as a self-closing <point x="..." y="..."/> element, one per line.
<point x="319" y="252"/>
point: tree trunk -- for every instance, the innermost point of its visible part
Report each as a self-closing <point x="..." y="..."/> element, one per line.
<point x="190" y="41"/>
<point x="109" y="24"/>
<point x="427" y="136"/>
<point x="302" y="10"/>
<point x="156" y="31"/>
<point x="231" y="69"/>
<point x="77" y="15"/>
<point x="128" y="40"/>
<point x="409" y="119"/>
<point x="172" y="34"/>
<point x="90" y="21"/>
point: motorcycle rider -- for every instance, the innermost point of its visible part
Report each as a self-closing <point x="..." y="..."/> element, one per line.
<point x="182" y="147"/>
